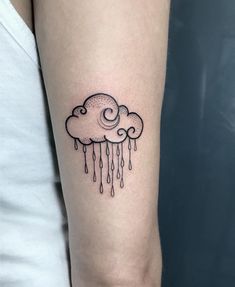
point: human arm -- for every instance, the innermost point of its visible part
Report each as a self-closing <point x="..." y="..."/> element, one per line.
<point x="117" y="48"/>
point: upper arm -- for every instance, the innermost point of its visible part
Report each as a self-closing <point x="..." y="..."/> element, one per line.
<point x="114" y="48"/>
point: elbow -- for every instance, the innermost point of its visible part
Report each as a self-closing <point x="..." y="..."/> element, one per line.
<point x="131" y="273"/>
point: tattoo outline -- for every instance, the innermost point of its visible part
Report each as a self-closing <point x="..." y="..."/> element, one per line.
<point x="101" y="122"/>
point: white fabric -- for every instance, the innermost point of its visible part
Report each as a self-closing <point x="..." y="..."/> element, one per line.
<point x="32" y="222"/>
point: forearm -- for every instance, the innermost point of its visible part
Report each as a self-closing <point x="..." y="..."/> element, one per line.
<point x="116" y="48"/>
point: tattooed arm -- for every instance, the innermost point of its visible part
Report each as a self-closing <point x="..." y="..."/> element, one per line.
<point x="104" y="66"/>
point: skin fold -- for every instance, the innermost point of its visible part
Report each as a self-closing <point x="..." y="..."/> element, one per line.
<point x="25" y="9"/>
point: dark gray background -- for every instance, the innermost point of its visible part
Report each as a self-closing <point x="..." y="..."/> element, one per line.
<point x="197" y="178"/>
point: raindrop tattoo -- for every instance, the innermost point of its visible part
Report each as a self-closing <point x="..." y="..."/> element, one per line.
<point x="101" y="129"/>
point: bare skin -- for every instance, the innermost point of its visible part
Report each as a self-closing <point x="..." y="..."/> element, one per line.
<point x="24" y="8"/>
<point x="116" y="48"/>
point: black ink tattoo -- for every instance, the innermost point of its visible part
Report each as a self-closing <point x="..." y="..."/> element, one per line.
<point x="101" y="123"/>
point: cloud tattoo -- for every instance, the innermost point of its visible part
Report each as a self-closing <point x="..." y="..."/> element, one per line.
<point x="101" y="121"/>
